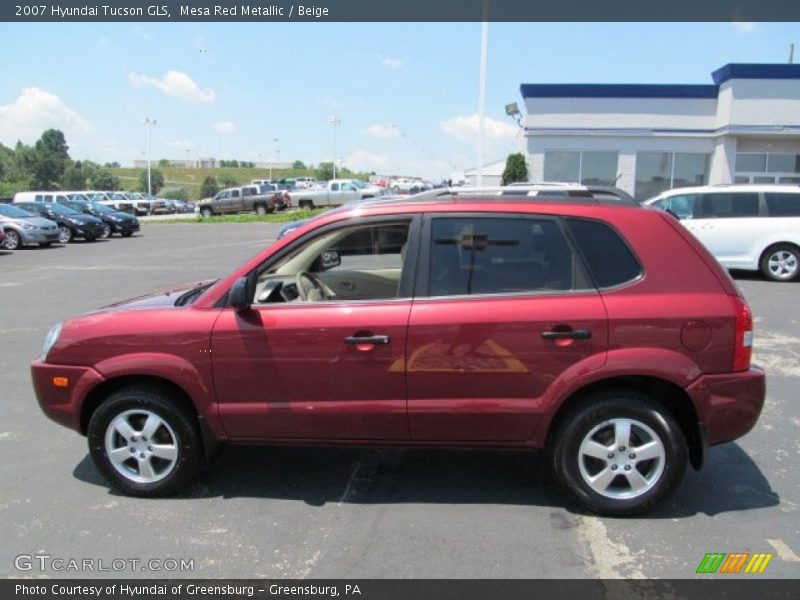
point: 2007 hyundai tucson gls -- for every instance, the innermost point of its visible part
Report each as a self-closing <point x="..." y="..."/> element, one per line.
<point x="605" y="334"/>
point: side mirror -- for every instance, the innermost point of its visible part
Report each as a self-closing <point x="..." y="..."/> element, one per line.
<point x="330" y="259"/>
<point x="239" y="295"/>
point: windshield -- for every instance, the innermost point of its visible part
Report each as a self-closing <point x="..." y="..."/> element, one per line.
<point x="13" y="212"/>
<point x="60" y="209"/>
<point x="101" y="208"/>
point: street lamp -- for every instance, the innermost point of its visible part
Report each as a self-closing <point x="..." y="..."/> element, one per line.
<point x="335" y="121"/>
<point x="277" y="155"/>
<point x="148" y="123"/>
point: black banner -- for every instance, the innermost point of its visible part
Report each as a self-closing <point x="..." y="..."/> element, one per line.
<point x="400" y="10"/>
<point x="733" y="588"/>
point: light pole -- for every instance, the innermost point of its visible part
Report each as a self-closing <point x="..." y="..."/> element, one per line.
<point x="148" y="123"/>
<point x="277" y="151"/>
<point x="335" y="121"/>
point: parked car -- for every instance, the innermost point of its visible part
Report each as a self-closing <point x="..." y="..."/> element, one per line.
<point x="71" y="224"/>
<point x="304" y="182"/>
<point x="336" y="193"/>
<point x="406" y="184"/>
<point x="606" y="334"/>
<point x="21" y="228"/>
<point x="114" y="221"/>
<point x="247" y="198"/>
<point x="748" y="227"/>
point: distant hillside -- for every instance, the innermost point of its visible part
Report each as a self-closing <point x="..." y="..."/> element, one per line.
<point x="192" y="179"/>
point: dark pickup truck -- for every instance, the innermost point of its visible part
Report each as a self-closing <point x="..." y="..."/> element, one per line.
<point x="247" y="198"/>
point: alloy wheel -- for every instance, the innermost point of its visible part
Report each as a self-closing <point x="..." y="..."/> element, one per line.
<point x="141" y="446"/>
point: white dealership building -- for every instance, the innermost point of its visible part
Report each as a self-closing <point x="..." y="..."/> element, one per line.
<point x="745" y="127"/>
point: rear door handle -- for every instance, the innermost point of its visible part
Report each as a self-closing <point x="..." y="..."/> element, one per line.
<point x="572" y="334"/>
<point x="375" y="340"/>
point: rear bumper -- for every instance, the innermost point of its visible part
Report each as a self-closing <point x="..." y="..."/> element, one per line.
<point x="63" y="404"/>
<point x="729" y="405"/>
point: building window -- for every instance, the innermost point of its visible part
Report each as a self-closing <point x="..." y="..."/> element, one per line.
<point x="755" y="167"/>
<point x="659" y="171"/>
<point x="588" y="168"/>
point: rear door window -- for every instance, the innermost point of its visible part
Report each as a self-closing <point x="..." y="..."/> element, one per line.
<point x="682" y="206"/>
<point x="606" y="254"/>
<point x="730" y="205"/>
<point x="477" y="255"/>
<point x="783" y="205"/>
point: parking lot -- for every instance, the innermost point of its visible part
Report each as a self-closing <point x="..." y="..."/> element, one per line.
<point x="316" y="512"/>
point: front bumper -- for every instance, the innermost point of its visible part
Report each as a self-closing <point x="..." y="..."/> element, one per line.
<point x="125" y="226"/>
<point x="39" y="236"/>
<point x="729" y="405"/>
<point x="63" y="404"/>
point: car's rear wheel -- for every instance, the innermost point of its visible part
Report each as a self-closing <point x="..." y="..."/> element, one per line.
<point x="144" y="442"/>
<point x="261" y="209"/>
<point x="206" y="212"/>
<point x="621" y="454"/>
<point x="306" y="204"/>
<point x="12" y="241"/>
<point x="781" y="262"/>
<point x="107" y="231"/>
<point x="64" y="234"/>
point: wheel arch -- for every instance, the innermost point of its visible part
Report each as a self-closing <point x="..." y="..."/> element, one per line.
<point x="668" y="394"/>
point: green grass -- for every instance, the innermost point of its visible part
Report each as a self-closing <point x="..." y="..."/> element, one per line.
<point x="277" y="217"/>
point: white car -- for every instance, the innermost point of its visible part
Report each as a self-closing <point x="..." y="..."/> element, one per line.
<point x="745" y="226"/>
<point x="406" y="184"/>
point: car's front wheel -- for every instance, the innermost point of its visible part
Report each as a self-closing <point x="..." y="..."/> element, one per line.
<point x="13" y="240"/>
<point x="621" y="454"/>
<point x="144" y="442"/>
<point x="64" y="234"/>
<point x="107" y="231"/>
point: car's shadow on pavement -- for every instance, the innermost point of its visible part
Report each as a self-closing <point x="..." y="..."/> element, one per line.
<point x="730" y="481"/>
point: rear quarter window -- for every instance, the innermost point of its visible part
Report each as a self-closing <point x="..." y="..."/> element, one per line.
<point x="783" y="205"/>
<point x="607" y="255"/>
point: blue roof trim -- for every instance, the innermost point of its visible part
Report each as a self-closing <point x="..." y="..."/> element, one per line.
<point x="755" y="71"/>
<point x="600" y="90"/>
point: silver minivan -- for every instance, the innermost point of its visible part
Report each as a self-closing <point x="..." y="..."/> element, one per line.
<point x="752" y="227"/>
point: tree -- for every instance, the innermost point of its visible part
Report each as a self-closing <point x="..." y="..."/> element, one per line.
<point x="164" y="162"/>
<point x="516" y="169"/>
<point x="49" y="159"/>
<point x="325" y="171"/>
<point x="156" y="180"/>
<point x="74" y="177"/>
<point x="103" y="179"/>
<point x="299" y="165"/>
<point x="227" y="180"/>
<point x="112" y="165"/>
<point x="209" y="187"/>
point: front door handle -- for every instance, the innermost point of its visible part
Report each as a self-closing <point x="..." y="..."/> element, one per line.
<point x="569" y="334"/>
<point x="367" y="340"/>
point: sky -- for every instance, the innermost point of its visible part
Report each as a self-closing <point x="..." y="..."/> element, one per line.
<point x="406" y="94"/>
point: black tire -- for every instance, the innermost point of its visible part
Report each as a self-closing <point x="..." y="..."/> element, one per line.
<point x="126" y="233"/>
<point x="90" y="238"/>
<point x="780" y="262"/>
<point x="179" y="422"/>
<point x="306" y="204"/>
<point x="206" y="212"/>
<point x="13" y="240"/>
<point x="261" y="209"/>
<point x="64" y="234"/>
<point x="620" y="406"/>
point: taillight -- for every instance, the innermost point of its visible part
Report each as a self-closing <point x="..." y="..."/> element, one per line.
<point x="743" y="350"/>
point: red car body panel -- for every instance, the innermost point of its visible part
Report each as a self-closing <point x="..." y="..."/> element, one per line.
<point x="458" y="370"/>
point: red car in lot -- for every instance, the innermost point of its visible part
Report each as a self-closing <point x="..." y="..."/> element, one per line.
<point x="605" y="334"/>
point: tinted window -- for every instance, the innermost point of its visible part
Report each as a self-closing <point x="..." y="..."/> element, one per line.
<point x="494" y="256"/>
<point x="729" y="206"/>
<point x="607" y="255"/>
<point x="783" y="205"/>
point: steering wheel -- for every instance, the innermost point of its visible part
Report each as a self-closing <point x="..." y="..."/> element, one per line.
<point x="303" y="290"/>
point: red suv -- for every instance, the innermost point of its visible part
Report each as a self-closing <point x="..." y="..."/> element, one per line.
<point x="605" y="334"/>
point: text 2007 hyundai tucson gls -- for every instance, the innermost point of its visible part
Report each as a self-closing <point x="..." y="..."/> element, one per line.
<point x="608" y="335"/>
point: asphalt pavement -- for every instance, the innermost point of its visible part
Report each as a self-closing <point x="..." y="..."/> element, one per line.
<point x="351" y="512"/>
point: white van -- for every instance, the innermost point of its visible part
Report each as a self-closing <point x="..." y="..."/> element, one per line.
<point x="749" y="227"/>
<point x="51" y="196"/>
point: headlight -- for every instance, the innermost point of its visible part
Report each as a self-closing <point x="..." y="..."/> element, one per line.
<point x="71" y="220"/>
<point x="29" y="226"/>
<point x="50" y="340"/>
<point x="116" y="219"/>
